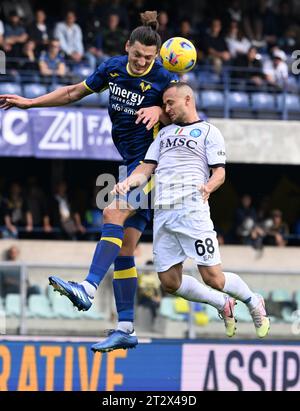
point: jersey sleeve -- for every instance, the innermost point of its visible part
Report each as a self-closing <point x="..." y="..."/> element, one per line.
<point x="152" y="155"/>
<point x="98" y="80"/>
<point x="173" y="78"/>
<point x="215" y="148"/>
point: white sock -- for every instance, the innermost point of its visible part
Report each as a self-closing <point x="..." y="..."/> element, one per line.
<point x="126" y="326"/>
<point x="192" y="290"/>
<point x="236" y="287"/>
<point x="89" y="288"/>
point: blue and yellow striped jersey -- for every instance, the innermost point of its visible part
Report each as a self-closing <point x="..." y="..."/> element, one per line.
<point x="127" y="94"/>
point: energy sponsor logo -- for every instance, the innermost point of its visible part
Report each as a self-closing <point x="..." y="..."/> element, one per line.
<point x="125" y="96"/>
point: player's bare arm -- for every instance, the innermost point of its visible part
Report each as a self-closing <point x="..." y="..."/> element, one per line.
<point x="139" y="176"/>
<point x="215" y="181"/>
<point x="60" y="97"/>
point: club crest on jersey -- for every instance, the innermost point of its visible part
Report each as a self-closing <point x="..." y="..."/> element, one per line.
<point x="145" y="86"/>
<point x="195" y="132"/>
<point x="113" y="75"/>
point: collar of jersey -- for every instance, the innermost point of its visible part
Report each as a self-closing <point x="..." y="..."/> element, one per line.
<point x="188" y="124"/>
<point x="139" y="75"/>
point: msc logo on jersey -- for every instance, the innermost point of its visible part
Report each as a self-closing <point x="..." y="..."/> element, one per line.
<point x="178" y="142"/>
<point x="195" y="133"/>
<point x="145" y="86"/>
<point x="113" y="75"/>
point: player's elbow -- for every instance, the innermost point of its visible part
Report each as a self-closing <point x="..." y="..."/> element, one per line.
<point x="76" y="92"/>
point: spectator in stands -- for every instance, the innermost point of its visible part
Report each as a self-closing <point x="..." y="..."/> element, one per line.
<point x="276" y="230"/>
<point x="39" y="31"/>
<point x="14" y="35"/>
<point x="1" y="35"/>
<point x="23" y="9"/>
<point x="186" y="31"/>
<point x="238" y="44"/>
<point x="251" y="62"/>
<point x="10" y="277"/>
<point x="62" y="214"/>
<point x="296" y="231"/>
<point x="234" y="12"/>
<point x="52" y="63"/>
<point x="164" y="30"/>
<point x="261" y="23"/>
<point x="91" y="18"/>
<point x="115" y="7"/>
<point x="286" y="17"/>
<point x="216" y="47"/>
<point x="149" y="291"/>
<point x="16" y="212"/>
<point x="113" y="37"/>
<point x="94" y="218"/>
<point x="69" y="35"/>
<point x="3" y="212"/>
<point x="290" y="39"/>
<point x="136" y="7"/>
<point x="28" y="64"/>
<point x="276" y="70"/>
<point x="37" y="205"/>
<point x="245" y="219"/>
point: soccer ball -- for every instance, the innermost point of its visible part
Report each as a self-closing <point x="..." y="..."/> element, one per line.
<point x="178" y="54"/>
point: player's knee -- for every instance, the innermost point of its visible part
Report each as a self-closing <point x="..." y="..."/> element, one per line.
<point x="170" y="285"/>
<point x="111" y="215"/>
<point x="214" y="282"/>
<point x="127" y="250"/>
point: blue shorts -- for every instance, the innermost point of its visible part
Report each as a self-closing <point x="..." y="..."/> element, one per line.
<point x="140" y="199"/>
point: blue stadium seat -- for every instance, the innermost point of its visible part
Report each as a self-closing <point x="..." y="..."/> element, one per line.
<point x="212" y="99"/>
<point x="34" y="90"/>
<point x="55" y="86"/>
<point x="263" y="101"/>
<point x="280" y="295"/>
<point x="297" y="299"/>
<point x="82" y="71"/>
<point x="92" y="100"/>
<point x="208" y="79"/>
<point x="238" y="100"/>
<point x="197" y="99"/>
<point x="63" y="308"/>
<point x="191" y="79"/>
<point x="13" y="305"/>
<point x="167" y="310"/>
<point x="291" y="101"/>
<point x="212" y="312"/>
<point x="10" y="88"/>
<point x="93" y="313"/>
<point x="39" y="306"/>
<point x="241" y="312"/>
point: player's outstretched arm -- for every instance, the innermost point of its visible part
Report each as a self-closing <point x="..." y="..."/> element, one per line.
<point x="215" y="181"/>
<point x="139" y="176"/>
<point x="60" y="97"/>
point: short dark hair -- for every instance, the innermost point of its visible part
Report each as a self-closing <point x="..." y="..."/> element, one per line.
<point x="147" y="33"/>
<point x="176" y="84"/>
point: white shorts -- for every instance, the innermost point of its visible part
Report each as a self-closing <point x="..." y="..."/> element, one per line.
<point x="178" y="234"/>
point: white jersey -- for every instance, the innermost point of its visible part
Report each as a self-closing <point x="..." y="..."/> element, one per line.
<point x="185" y="154"/>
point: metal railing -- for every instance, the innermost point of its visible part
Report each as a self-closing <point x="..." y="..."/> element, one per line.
<point x="267" y="277"/>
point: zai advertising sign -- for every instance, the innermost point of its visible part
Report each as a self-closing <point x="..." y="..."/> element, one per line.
<point x="57" y="133"/>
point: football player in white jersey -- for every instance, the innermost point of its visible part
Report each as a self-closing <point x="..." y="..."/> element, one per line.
<point x="188" y="158"/>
